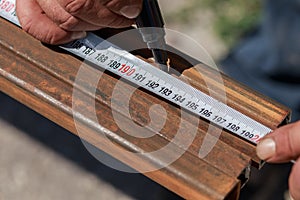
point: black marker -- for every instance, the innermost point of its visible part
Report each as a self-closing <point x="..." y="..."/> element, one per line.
<point x="155" y="38"/>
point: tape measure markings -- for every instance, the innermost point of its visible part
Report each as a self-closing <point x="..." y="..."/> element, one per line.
<point x="112" y="58"/>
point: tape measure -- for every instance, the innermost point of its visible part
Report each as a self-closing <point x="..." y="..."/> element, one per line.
<point x="109" y="57"/>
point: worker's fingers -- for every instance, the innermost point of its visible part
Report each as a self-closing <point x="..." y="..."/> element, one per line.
<point x="64" y="19"/>
<point x="294" y="181"/>
<point x="95" y="12"/>
<point x="129" y="8"/>
<point x="34" y="21"/>
<point x="282" y="145"/>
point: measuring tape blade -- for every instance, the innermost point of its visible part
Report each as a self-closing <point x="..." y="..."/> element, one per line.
<point x="109" y="57"/>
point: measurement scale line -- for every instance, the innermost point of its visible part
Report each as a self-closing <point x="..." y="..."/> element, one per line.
<point x="110" y="57"/>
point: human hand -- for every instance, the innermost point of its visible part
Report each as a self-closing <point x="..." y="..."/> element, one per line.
<point x="61" y="21"/>
<point x="283" y="145"/>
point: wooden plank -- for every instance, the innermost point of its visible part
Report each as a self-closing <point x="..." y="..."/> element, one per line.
<point x="43" y="79"/>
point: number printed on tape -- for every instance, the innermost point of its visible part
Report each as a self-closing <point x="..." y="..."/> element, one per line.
<point x="156" y="81"/>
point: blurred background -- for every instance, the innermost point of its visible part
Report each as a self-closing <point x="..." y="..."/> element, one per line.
<point x="254" y="42"/>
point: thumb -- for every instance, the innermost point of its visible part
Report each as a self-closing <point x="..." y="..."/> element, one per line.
<point x="282" y="145"/>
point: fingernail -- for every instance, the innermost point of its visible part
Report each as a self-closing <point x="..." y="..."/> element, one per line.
<point x="78" y="35"/>
<point x="266" y="149"/>
<point x="130" y="11"/>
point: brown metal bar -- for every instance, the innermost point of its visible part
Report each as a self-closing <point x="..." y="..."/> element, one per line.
<point x="43" y="79"/>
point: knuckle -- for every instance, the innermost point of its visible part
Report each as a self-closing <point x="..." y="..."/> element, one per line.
<point x="113" y="21"/>
<point x="52" y="38"/>
<point x="27" y="25"/>
<point x="68" y="23"/>
<point x="75" y="7"/>
<point x="105" y="16"/>
<point x="114" y="4"/>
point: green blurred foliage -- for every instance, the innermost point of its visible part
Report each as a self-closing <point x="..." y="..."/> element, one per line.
<point x="232" y="18"/>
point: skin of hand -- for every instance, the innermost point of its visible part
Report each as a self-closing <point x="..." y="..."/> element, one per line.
<point x="61" y="21"/>
<point x="283" y="145"/>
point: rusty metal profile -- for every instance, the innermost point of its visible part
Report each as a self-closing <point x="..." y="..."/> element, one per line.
<point x="42" y="78"/>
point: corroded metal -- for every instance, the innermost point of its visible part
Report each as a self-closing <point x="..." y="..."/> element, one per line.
<point x="43" y="79"/>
